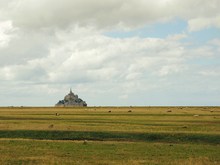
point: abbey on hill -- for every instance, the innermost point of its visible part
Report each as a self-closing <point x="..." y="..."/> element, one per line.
<point x="71" y="100"/>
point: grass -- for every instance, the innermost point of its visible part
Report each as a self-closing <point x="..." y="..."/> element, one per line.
<point x="59" y="152"/>
<point x="147" y="135"/>
<point x="113" y="136"/>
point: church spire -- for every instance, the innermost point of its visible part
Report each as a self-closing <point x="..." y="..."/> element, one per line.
<point x="71" y="90"/>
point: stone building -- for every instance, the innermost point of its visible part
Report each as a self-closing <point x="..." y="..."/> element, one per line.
<point x="71" y="100"/>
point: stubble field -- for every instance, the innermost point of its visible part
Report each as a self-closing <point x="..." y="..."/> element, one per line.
<point x="110" y="135"/>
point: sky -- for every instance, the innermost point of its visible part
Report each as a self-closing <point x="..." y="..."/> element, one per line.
<point x="111" y="52"/>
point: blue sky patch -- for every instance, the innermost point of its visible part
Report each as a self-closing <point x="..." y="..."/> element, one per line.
<point x="157" y="30"/>
<point x="202" y="36"/>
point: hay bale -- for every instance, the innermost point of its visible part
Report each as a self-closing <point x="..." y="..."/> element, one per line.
<point x="196" y="115"/>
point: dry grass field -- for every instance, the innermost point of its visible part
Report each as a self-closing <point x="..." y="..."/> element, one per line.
<point x="110" y="135"/>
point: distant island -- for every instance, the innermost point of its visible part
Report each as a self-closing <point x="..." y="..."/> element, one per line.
<point x="71" y="100"/>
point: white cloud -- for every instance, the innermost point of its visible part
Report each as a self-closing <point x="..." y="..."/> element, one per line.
<point x="203" y="23"/>
<point x="171" y="69"/>
<point x="111" y="13"/>
<point x="92" y="57"/>
<point x="210" y="73"/>
<point x="48" y="46"/>
<point x="6" y="33"/>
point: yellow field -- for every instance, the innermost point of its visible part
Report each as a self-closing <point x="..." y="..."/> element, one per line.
<point x="114" y="135"/>
<point x="141" y="119"/>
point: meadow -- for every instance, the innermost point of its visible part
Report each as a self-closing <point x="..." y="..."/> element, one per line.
<point x="110" y="135"/>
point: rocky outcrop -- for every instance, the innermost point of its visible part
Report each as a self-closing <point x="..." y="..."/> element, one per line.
<point x="71" y="100"/>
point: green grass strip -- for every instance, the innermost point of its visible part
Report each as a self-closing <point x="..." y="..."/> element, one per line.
<point x="112" y="136"/>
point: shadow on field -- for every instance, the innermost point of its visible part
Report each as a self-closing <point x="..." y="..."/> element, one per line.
<point x="112" y="136"/>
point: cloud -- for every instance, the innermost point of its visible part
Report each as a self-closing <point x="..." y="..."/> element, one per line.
<point x="112" y="13"/>
<point x="48" y="46"/>
<point x="92" y="57"/>
<point x="21" y="45"/>
<point x="203" y="23"/>
<point x="6" y="33"/>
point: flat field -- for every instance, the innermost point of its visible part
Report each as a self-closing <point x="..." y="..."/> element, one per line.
<point x="110" y="135"/>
